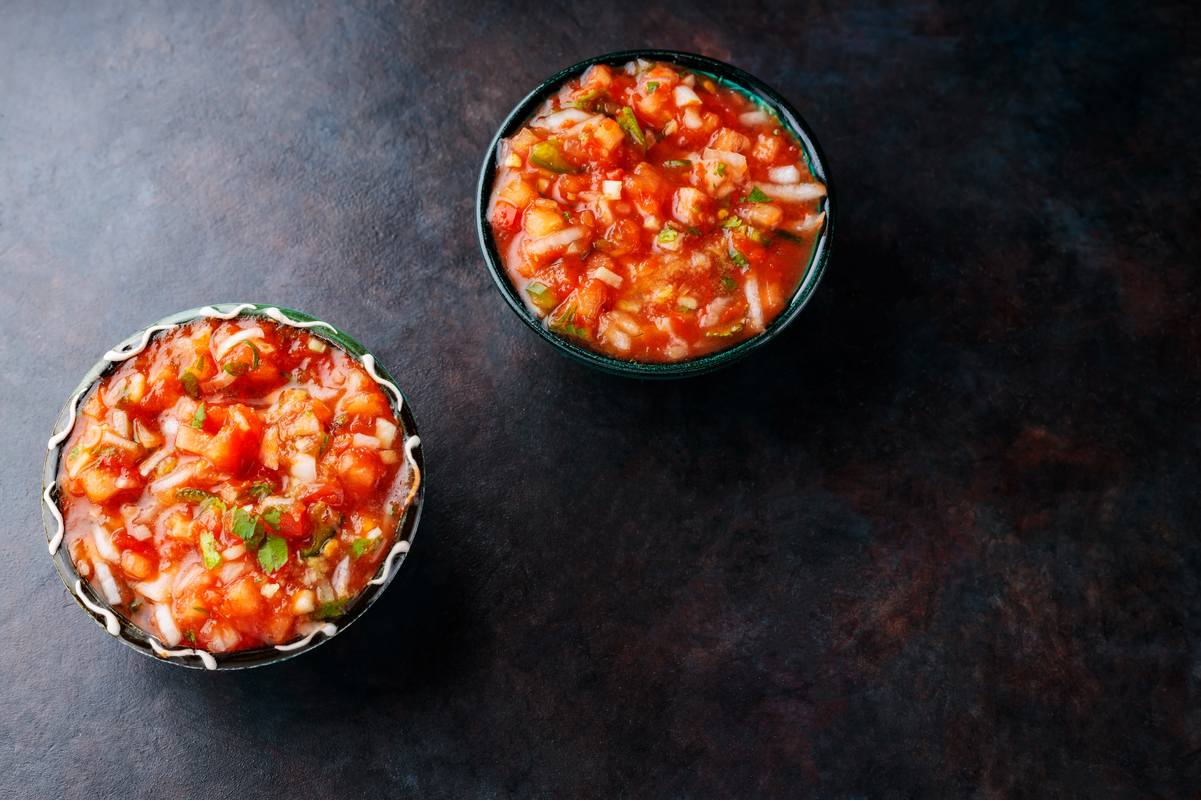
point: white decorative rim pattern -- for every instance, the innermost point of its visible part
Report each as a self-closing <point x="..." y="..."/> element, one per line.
<point x="112" y="624"/>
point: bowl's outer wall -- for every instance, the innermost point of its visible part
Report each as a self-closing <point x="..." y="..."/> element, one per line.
<point x="133" y="636"/>
<point x="710" y="362"/>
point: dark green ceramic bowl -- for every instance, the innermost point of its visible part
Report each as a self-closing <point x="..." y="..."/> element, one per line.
<point x="112" y="620"/>
<point x="723" y="72"/>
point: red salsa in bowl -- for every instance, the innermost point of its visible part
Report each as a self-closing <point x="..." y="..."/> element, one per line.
<point x="650" y="212"/>
<point x="234" y="482"/>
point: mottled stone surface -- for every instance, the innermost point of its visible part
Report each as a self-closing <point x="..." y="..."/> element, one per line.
<point x="941" y="538"/>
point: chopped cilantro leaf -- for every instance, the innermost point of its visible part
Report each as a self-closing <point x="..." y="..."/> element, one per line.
<point x="237" y="368"/>
<point x="258" y="491"/>
<point x="739" y="259"/>
<point x="271" y="516"/>
<point x="564" y="324"/>
<point x="694" y="231"/>
<point x="677" y="164"/>
<point x="731" y="222"/>
<point x="191" y="635"/>
<point x="273" y="553"/>
<point x="757" y="196"/>
<point x="728" y="283"/>
<point x="651" y="86"/>
<point x="255" y="364"/>
<point x="720" y="169"/>
<point x="191" y="384"/>
<point x="360" y="545"/>
<point x="542" y="295"/>
<point x="199" y="417"/>
<point x="245" y="525"/>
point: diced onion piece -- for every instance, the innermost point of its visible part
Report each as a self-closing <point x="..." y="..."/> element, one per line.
<point x="166" y="625"/>
<point x="375" y="533"/>
<point x="389" y="457"/>
<point x="317" y="346"/>
<point x="147" y="466"/>
<point x="120" y="422"/>
<point x="341" y="578"/>
<point x="304" y="602"/>
<point x="687" y="302"/>
<point x="676" y="351"/>
<point x="794" y="193"/>
<point x="269" y="590"/>
<point x="108" y="584"/>
<point x="233" y="552"/>
<point x="684" y="96"/>
<point x="173" y="479"/>
<point x="104" y="543"/>
<point x="757" y="117"/>
<point x="785" y="175"/>
<point x="608" y="276"/>
<point x="620" y="340"/>
<point x="145" y="436"/>
<point x="170" y="427"/>
<point x="755" y="317"/>
<point x="612" y="189"/>
<point x="304" y="467"/>
<point x="157" y="590"/>
<point x="111" y="438"/>
<point x="364" y="441"/>
<point x="231" y="571"/>
<point x="559" y="239"/>
<point x="139" y="532"/>
<point x="230" y="342"/>
<point x="385" y="431"/>
<point x="569" y="118"/>
<point x="692" y="120"/>
<point x="811" y="223"/>
<point x="186" y="575"/>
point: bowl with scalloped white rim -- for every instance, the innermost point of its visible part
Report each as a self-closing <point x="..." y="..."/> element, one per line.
<point x="112" y="618"/>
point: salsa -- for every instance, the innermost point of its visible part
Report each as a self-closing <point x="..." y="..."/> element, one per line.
<point x="235" y="484"/>
<point x="654" y="214"/>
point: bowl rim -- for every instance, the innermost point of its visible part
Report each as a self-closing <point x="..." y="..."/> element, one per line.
<point x="116" y="624"/>
<point x="709" y="362"/>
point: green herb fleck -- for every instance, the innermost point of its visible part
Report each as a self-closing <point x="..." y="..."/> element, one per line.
<point x="677" y="164"/>
<point x="74" y="454"/>
<point x="720" y="169"/>
<point x="208" y="549"/>
<point x="271" y="516"/>
<point x="273" y="554"/>
<point x="136" y="605"/>
<point x="192" y="495"/>
<point x="651" y="86"/>
<point x="668" y="235"/>
<point x="237" y="368"/>
<point x="191" y="384"/>
<point x="548" y="156"/>
<point x="394" y="509"/>
<point x="629" y="124"/>
<point x="201" y="610"/>
<point x="584" y="101"/>
<point x="199" y="417"/>
<point x="325" y="522"/>
<point x="694" y="231"/>
<point x="258" y="491"/>
<point x="731" y="222"/>
<point x="360" y="545"/>
<point x="246" y="525"/>
<point x="564" y="324"/>
<point x="755" y="235"/>
<point x="789" y="236"/>
<point x="331" y="609"/>
<point x="757" y="196"/>
<point x="728" y="283"/>
<point x="542" y="295"/>
<point x="739" y="259"/>
<point x="191" y="635"/>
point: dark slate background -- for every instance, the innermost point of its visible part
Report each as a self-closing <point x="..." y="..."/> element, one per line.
<point x="939" y="538"/>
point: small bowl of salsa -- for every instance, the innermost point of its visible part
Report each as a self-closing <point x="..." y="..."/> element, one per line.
<point x="654" y="213"/>
<point x="232" y="486"/>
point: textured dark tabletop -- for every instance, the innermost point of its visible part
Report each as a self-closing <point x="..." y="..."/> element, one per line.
<point x="942" y="537"/>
